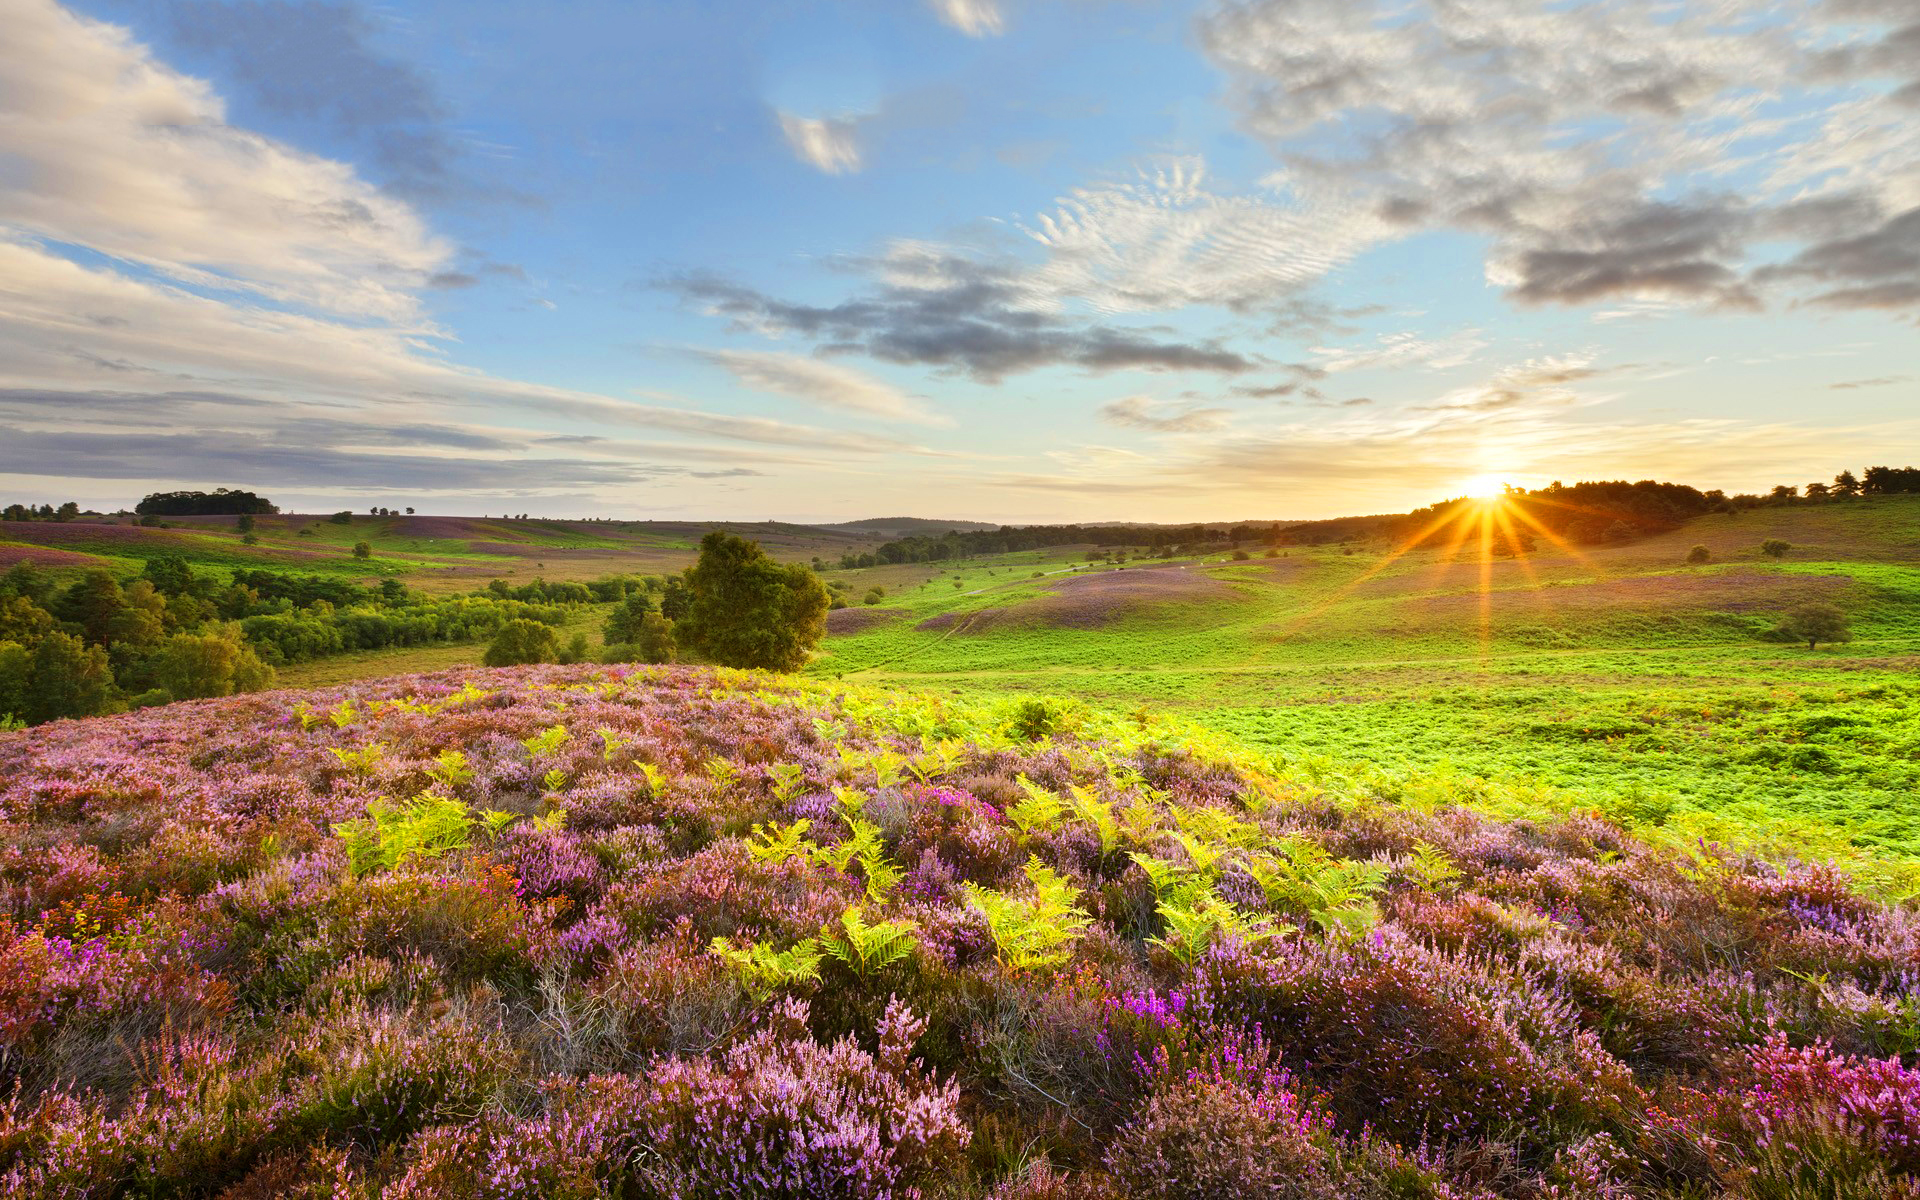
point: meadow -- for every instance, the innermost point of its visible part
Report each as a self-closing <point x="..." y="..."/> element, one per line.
<point x="672" y="932"/>
<point x="1620" y="671"/>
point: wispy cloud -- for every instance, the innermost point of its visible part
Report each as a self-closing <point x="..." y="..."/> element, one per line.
<point x="829" y="144"/>
<point x="824" y="384"/>
<point x="975" y="18"/>
<point x="1144" y="412"/>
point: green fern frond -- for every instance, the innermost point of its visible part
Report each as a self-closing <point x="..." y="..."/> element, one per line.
<point x="867" y="948"/>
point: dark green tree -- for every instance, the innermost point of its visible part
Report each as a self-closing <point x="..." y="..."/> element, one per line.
<point x="1815" y="623"/>
<point x="363" y="550"/>
<point x="67" y="678"/>
<point x="92" y="603"/>
<point x="522" y="640"/>
<point x="623" y="623"/>
<point x="1775" y="548"/>
<point x="750" y="611"/>
<point x="1698" y="555"/>
<point x="170" y="573"/>
<point x="245" y="523"/>
<point x="655" y="642"/>
<point x="676" y="598"/>
<point x="67" y="511"/>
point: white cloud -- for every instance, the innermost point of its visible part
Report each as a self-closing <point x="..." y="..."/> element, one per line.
<point x="112" y="150"/>
<point x="975" y="18"/>
<point x="1164" y="239"/>
<point x="829" y="144"/>
<point x="1613" y="149"/>
<point x="826" y="384"/>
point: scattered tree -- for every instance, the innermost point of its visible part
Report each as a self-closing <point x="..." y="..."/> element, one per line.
<point x="656" y="643"/>
<point x="623" y="623"/>
<point x="522" y="640"/>
<point x="198" y="666"/>
<point x="363" y="549"/>
<point x="1775" y="548"/>
<point x="343" y="517"/>
<point x="748" y="610"/>
<point x="1698" y="555"/>
<point x="245" y="523"/>
<point x="1815" y="623"/>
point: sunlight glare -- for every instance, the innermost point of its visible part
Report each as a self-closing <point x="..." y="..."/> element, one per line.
<point x="1484" y="487"/>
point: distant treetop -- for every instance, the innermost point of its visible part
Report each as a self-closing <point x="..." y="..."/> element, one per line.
<point x="219" y="502"/>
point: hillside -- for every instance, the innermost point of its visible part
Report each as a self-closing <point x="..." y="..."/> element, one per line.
<point x="664" y="932"/>
<point x="436" y="554"/>
<point x="1618" y="669"/>
<point x="899" y="527"/>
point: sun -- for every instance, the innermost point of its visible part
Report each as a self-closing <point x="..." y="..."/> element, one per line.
<point x="1484" y="487"/>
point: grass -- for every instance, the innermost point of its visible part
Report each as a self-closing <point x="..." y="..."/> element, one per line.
<point x="1621" y="671"/>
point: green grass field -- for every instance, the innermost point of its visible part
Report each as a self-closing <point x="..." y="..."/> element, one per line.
<point x="1620" y="672"/>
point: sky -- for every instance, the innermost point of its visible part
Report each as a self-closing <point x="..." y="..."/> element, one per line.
<point x="1009" y="260"/>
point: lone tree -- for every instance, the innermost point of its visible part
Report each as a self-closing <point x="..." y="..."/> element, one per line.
<point x="747" y="610"/>
<point x="363" y="550"/>
<point x="1775" y="548"/>
<point x="1698" y="555"/>
<point x="522" y="641"/>
<point x="1816" y="623"/>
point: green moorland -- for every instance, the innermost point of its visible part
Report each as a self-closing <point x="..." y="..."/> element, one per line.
<point x="1621" y="672"/>
<point x="1618" y="673"/>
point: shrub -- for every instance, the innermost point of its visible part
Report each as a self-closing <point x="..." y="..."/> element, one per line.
<point x="782" y="1115"/>
<point x="1698" y="555"/>
<point x="522" y="641"/>
<point x="1775" y="548"/>
<point x="1814" y="623"/>
<point x="363" y="550"/>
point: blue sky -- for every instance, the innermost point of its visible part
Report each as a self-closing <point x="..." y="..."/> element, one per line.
<point x="999" y="259"/>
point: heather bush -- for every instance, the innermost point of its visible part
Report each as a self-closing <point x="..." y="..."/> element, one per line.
<point x="650" y="930"/>
<point x="783" y="1115"/>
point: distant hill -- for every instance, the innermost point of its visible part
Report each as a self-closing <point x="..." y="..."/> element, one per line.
<point x="900" y="527"/>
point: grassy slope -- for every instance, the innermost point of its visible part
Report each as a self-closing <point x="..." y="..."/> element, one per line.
<point x="1628" y="673"/>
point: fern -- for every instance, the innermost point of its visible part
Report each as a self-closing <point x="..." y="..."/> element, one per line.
<point x="303" y="713"/>
<point x="341" y="714"/>
<point x="1431" y="868"/>
<point x="1204" y="855"/>
<point x="867" y="948"/>
<point x="656" y="780"/>
<point x="1096" y="814"/>
<point x="547" y="740"/>
<point x="1032" y="932"/>
<point x="1198" y="921"/>
<point x="761" y="969"/>
<point x="828" y="731"/>
<point x="554" y="780"/>
<point x="361" y="761"/>
<point x="450" y="769"/>
<point x="495" y="822"/>
<point x="887" y="768"/>
<point x="788" y="778"/>
<point x="777" y="845"/>
<point x="1039" y="811"/>
<point x="850" y="800"/>
<point x="610" y="742"/>
<point x="723" y="771"/>
<point x="390" y="835"/>
<point x="1335" y="893"/>
<point x="1166" y="878"/>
